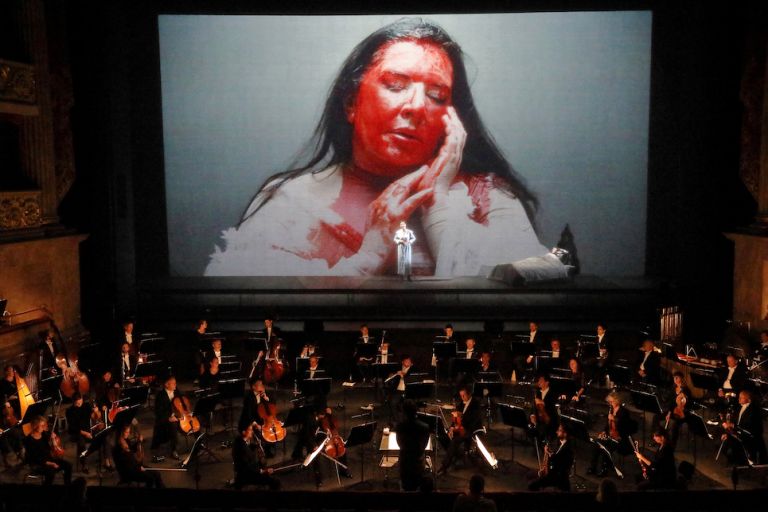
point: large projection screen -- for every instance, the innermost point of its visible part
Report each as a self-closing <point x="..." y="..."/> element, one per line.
<point x="563" y="96"/>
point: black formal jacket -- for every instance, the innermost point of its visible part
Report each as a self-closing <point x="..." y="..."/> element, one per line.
<point x="663" y="471"/>
<point x="739" y="379"/>
<point x="78" y="418"/>
<point x="412" y="437"/>
<point x="652" y="367"/>
<point x="245" y="457"/>
<point x="472" y="418"/>
<point x="560" y="462"/>
<point x="751" y="420"/>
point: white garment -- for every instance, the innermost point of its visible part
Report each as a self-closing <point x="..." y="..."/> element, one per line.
<point x="466" y="405"/>
<point x="645" y="358"/>
<point x="272" y="240"/>
<point x="469" y="354"/>
<point x="727" y="383"/>
<point x="741" y="412"/>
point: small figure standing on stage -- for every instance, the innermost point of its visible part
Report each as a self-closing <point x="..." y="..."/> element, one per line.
<point x="404" y="238"/>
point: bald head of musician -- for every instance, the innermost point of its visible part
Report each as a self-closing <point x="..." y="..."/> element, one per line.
<point x="313" y="360"/>
<point x="745" y="397"/>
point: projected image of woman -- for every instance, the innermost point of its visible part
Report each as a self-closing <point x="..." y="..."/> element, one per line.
<point x="399" y="140"/>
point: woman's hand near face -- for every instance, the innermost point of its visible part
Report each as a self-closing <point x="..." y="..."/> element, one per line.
<point x="445" y="166"/>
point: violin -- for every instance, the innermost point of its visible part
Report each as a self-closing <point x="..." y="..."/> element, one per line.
<point x="57" y="450"/>
<point x="679" y="410"/>
<point x="272" y="430"/>
<point x="456" y="426"/>
<point x="187" y="422"/>
<point x="98" y="422"/>
<point x="335" y="447"/>
<point x="613" y="430"/>
<point x="541" y="412"/>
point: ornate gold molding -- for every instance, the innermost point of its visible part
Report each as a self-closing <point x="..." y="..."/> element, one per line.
<point x="17" y="82"/>
<point x="20" y="209"/>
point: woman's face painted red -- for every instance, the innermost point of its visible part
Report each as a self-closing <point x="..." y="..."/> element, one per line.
<point x="397" y="113"/>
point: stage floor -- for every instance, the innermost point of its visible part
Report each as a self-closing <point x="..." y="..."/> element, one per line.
<point x="518" y="463"/>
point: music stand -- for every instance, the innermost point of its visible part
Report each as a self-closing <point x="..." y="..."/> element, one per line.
<point x="442" y="350"/>
<point x="316" y="386"/>
<point x="194" y="457"/>
<point x="382" y="371"/>
<point x="419" y="390"/>
<point x="704" y="379"/>
<point x="361" y="435"/>
<point x="255" y="344"/>
<point x="698" y="427"/>
<point x="96" y="444"/>
<point x="150" y="369"/>
<point x="563" y="386"/>
<point x="204" y="407"/>
<point x="366" y="350"/>
<point x="646" y="402"/>
<point x="136" y="395"/>
<point x="230" y="389"/>
<point x="515" y="417"/>
<point x="465" y="366"/>
<point x="36" y="409"/>
<point x="298" y="415"/>
<point x="125" y="416"/>
<point x="620" y="374"/>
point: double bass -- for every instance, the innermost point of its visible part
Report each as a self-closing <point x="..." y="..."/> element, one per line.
<point x="275" y="368"/>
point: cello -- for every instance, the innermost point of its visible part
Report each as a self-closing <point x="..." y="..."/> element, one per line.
<point x="187" y="422"/>
<point x="272" y="430"/>
<point x="335" y="446"/>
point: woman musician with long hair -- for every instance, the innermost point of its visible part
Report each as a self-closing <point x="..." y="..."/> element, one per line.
<point x="678" y="407"/>
<point x="129" y="458"/>
<point x="40" y="455"/>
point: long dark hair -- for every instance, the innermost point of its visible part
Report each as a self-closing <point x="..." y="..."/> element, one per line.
<point x="331" y="143"/>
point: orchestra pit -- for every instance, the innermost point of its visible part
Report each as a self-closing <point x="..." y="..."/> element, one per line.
<point x="406" y="257"/>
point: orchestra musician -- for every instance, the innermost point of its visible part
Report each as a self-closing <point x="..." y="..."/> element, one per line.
<point x="309" y="350"/>
<point x="678" y="407"/>
<point x="79" y="426"/>
<point x="522" y="363"/>
<point x="165" y="429"/>
<point x="328" y="424"/>
<point x="11" y="436"/>
<point x="128" y="362"/>
<point x="448" y="333"/>
<point x="215" y="351"/>
<point x="210" y="377"/>
<point x="49" y="349"/>
<point x="106" y="389"/>
<point x="248" y="457"/>
<point x="614" y="437"/>
<point x="201" y="334"/>
<point x="747" y="429"/>
<point x="577" y="376"/>
<point x="126" y="336"/>
<point x="649" y="364"/>
<point x="556" y="470"/>
<point x="661" y="472"/>
<point x="306" y="440"/>
<point x="129" y="459"/>
<point x="597" y="366"/>
<point x="9" y="391"/>
<point x="735" y="377"/>
<point x="544" y="417"/>
<point x="467" y="419"/>
<point x="412" y="438"/>
<point x="251" y="402"/>
<point x="762" y="350"/>
<point x="486" y="364"/>
<point x="558" y="358"/>
<point x="39" y="456"/>
<point x="471" y="352"/>
<point x="363" y="363"/>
